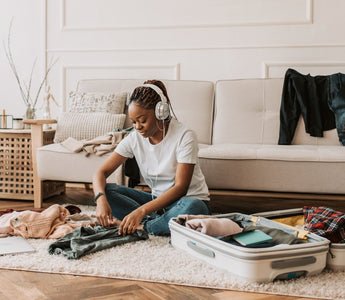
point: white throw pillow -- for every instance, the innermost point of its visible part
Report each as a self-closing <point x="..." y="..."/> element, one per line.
<point x="96" y="102"/>
<point x="85" y="126"/>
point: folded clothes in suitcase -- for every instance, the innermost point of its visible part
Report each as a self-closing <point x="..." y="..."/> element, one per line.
<point x="336" y="253"/>
<point x="260" y="263"/>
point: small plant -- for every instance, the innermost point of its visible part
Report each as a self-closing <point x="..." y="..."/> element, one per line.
<point x="25" y="88"/>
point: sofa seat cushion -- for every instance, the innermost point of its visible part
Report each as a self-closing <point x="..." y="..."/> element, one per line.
<point x="274" y="175"/>
<point x="229" y="151"/>
<point x="274" y="152"/>
<point x="55" y="162"/>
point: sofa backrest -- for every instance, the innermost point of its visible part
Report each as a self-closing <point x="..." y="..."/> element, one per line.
<point x="247" y="111"/>
<point x="192" y="101"/>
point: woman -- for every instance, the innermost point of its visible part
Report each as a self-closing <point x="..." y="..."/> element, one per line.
<point x="167" y="155"/>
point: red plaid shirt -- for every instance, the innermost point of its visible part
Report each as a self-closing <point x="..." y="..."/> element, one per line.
<point x="325" y="222"/>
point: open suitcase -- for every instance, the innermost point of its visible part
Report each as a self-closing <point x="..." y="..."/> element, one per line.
<point x="253" y="264"/>
<point x="336" y="253"/>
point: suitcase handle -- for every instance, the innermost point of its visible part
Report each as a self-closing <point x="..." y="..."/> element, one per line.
<point x="294" y="262"/>
<point x="202" y="250"/>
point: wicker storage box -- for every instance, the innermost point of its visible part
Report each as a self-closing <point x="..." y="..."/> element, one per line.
<point x="16" y="175"/>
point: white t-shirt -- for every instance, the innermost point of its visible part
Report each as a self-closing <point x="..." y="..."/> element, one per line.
<point x="158" y="163"/>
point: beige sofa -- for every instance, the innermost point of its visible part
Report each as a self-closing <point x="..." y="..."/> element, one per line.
<point x="244" y="154"/>
<point x="237" y="124"/>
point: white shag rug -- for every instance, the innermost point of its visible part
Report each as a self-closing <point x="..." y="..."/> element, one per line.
<point x="156" y="260"/>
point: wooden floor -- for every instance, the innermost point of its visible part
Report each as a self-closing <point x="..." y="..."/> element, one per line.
<point x="32" y="285"/>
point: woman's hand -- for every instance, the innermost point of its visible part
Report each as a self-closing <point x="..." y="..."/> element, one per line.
<point x="131" y="222"/>
<point x="103" y="212"/>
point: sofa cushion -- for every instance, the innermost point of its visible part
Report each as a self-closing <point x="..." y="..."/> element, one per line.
<point x="85" y="126"/>
<point x="274" y="175"/>
<point x="247" y="111"/>
<point x="302" y="153"/>
<point x="229" y="151"/>
<point x="65" y="165"/>
<point x="97" y="102"/>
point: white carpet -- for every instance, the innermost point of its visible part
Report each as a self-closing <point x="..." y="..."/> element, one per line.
<point x="156" y="260"/>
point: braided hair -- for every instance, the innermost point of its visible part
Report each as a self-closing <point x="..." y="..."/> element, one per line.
<point x="146" y="97"/>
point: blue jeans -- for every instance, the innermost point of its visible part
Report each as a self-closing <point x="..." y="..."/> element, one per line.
<point x="123" y="200"/>
<point x="336" y="102"/>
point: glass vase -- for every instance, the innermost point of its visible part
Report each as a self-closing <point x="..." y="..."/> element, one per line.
<point x="30" y="113"/>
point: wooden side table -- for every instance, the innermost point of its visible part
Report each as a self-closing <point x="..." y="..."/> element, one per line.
<point x="16" y="171"/>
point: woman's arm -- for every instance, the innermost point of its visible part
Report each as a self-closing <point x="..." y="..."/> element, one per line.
<point x="103" y="212"/>
<point x="184" y="173"/>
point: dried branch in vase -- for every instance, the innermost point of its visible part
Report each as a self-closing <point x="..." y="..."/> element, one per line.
<point x="24" y="88"/>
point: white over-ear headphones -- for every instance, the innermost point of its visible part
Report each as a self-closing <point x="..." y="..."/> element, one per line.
<point x="162" y="109"/>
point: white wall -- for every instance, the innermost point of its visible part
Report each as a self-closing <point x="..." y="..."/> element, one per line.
<point x="27" y="43"/>
<point x="191" y="39"/>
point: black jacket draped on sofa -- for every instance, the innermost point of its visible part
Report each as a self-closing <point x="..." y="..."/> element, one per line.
<point x="320" y="100"/>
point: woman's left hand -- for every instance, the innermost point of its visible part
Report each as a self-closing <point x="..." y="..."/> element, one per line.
<point x="131" y="222"/>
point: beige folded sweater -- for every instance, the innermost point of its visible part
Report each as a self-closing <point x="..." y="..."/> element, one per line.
<point x="98" y="146"/>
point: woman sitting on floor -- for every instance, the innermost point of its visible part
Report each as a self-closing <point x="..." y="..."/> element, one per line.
<point x="167" y="155"/>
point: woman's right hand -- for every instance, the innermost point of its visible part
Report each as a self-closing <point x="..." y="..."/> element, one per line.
<point x="103" y="212"/>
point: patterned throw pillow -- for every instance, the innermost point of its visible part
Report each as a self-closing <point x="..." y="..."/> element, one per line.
<point x="96" y="102"/>
<point x="86" y="126"/>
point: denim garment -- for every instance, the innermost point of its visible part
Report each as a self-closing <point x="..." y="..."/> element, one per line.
<point x="336" y="102"/>
<point x="86" y="240"/>
<point x="123" y="200"/>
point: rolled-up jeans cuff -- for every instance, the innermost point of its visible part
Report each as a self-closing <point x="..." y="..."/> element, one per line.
<point x="144" y="222"/>
<point x="149" y="217"/>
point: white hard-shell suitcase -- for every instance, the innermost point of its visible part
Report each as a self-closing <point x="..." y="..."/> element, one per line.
<point x="336" y="253"/>
<point x="253" y="264"/>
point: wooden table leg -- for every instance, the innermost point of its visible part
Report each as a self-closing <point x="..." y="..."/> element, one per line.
<point x="37" y="141"/>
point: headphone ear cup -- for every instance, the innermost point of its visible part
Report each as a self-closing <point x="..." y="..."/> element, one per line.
<point x="162" y="110"/>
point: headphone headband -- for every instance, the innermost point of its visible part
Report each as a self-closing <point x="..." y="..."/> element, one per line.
<point x="157" y="90"/>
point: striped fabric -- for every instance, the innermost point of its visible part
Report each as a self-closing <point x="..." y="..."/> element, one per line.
<point x="85" y="126"/>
